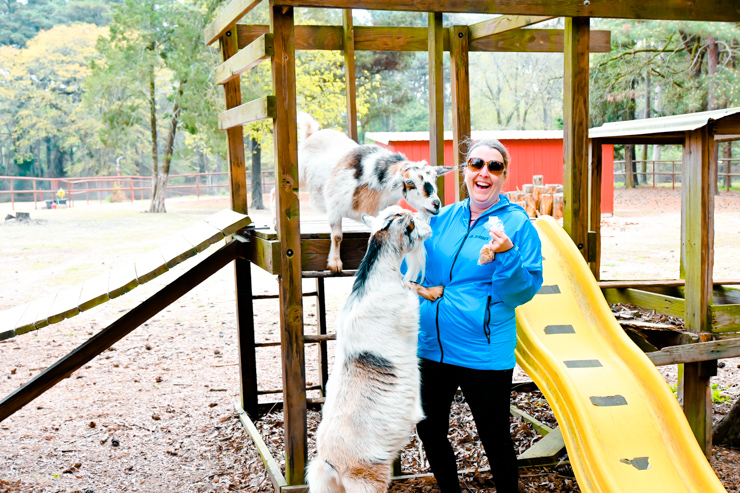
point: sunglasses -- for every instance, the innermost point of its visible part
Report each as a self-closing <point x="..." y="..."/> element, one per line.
<point x="476" y="164"/>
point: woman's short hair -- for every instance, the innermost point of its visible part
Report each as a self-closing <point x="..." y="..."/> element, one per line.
<point x="493" y="144"/>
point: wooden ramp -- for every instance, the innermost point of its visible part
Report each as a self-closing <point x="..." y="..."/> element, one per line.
<point x="68" y="302"/>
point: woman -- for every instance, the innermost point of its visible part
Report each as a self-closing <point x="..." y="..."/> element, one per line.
<point x="468" y="335"/>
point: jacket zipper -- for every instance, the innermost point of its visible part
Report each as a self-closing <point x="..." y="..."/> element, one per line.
<point x="487" y="320"/>
<point x="439" y="338"/>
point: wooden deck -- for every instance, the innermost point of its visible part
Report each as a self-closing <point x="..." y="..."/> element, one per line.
<point x="315" y="243"/>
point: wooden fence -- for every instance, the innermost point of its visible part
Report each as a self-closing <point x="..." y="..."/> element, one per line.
<point x="659" y="173"/>
<point x="115" y="188"/>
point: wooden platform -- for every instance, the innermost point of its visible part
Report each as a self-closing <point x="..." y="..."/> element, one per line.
<point x="315" y="244"/>
<point x="121" y="279"/>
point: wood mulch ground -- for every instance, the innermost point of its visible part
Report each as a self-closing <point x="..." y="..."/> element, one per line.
<point x="155" y="413"/>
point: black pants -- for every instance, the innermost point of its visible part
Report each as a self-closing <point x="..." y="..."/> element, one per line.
<point x="488" y="393"/>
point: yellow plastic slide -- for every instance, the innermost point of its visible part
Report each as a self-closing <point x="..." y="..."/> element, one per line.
<point x="622" y="425"/>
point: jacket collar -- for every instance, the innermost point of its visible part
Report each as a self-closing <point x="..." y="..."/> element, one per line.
<point x="501" y="204"/>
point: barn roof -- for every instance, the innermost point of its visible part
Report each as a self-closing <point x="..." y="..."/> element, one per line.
<point x="388" y="137"/>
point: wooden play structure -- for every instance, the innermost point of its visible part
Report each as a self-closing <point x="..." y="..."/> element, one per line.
<point x="293" y="253"/>
<point x="298" y="249"/>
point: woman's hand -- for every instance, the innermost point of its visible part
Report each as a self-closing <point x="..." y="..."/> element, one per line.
<point x="500" y="242"/>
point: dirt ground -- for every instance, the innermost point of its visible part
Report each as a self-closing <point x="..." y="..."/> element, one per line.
<point x="155" y="412"/>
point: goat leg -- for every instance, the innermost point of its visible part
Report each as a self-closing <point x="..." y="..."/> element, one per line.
<point x="431" y="294"/>
<point x="335" y="262"/>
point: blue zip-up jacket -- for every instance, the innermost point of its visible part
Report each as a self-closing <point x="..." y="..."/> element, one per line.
<point x="473" y="324"/>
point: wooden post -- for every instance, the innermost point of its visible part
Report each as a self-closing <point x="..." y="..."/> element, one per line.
<point x="575" y="143"/>
<point x="235" y="135"/>
<point x="460" y="82"/>
<point x="34" y="194"/>
<point x="242" y="273"/>
<point x="349" y="73"/>
<point x="245" y="334"/>
<point x="321" y="325"/>
<point x="595" y="206"/>
<point x="288" y="229"/>
<point x="12" y="195"/>
<point x="698" y="180"/>
<point x="436" y="97"/>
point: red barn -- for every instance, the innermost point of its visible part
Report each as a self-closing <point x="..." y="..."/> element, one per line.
<point x="533" y="152"/>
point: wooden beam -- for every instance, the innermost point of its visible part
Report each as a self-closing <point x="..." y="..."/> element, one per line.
<point x="575" y="131"/>
<point x="697" y="228"/>
<point x="249" y="57"/>
<point x="666" y="305"/>
<point x="460" y="87"/>
<point x="696" y="395"/>
<point x="693" y="353"/>
<point x="265" y="254"/>
<point x="271" y="465"/>
<point x="725" y="318"/>
<point x="663" y="139"/>
<point x="349" y="72"/>
<point x="539" y="41"/>
<point x="538" y="426"/>
<point x="502" y="24"/>
<point x="436" y="98"/>
<point x="104" y="339"/>
<point x="594" y="210"/>
<point x="670" y="283"/>
<point x="227" y="18"/>
<point x="245" y="336"/>
<point x="234" y="135"/>
<point x="698" y="181"/>
<point x="678" y="10"/>
<point x="288" y="228"/>
<point x="727" y="126"/>
<point x="253" y="111"/>
<point x="390" y="38"/>
<point x="548" y="449"/>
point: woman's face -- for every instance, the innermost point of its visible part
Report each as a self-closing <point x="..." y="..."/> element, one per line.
<point x="484" y="187"/>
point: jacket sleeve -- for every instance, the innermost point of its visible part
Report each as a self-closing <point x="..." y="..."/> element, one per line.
<point x="518" y="272"/>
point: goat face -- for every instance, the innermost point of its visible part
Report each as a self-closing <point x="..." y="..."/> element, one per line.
<point x="420" y="186"/>
<point x="398" y="227"/>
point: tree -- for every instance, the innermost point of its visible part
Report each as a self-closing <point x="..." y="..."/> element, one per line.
<point x="41" y="92"/>
<point x="164" y="42"/>
<point x="21" y="21"/>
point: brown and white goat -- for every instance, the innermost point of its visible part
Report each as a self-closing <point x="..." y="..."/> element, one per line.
<point x="372" y="396"/>
<point x="345" y="179"/>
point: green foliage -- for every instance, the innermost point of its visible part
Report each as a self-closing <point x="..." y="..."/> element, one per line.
<point x="718" y="396"/>
<point x="665" y="64"/>
<point x="41" y="90"/>
<point x="21" y="21"/>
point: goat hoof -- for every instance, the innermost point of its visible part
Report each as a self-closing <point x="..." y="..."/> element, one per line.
<point x="335" y="266"/>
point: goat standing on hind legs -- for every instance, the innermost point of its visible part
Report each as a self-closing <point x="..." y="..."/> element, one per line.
<point x="345" y="179"/>
<point x="372" y="397"/>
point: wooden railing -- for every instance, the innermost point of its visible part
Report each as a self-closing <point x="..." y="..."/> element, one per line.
<point x="115" y="188"/>
<point x="664" y="172"/>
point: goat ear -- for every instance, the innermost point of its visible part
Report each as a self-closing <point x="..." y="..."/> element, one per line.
<point x="368" y="220"/>
<point x="443" y="170"/>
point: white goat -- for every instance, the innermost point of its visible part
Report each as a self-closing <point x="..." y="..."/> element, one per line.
<point x="345" y="179"/>
<point x="372" y="401"/>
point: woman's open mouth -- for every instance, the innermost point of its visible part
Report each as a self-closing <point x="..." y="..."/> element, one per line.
<point x="482" y="186"/>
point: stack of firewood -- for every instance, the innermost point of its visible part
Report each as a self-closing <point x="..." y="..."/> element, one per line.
<point x="539" y="199"/>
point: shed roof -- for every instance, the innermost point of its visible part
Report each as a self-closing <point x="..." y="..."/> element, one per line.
<point x="661" y="125"/>
<point x="388" y="137"/>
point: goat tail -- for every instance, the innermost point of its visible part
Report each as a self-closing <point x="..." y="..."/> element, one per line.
<point x="307" y="125"/>
<point x="322" y="477"/>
